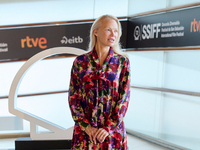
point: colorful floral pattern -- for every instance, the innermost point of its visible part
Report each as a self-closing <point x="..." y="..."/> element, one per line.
<point x="99" y="97"/>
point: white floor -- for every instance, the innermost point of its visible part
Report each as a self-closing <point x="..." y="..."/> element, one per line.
<point x="7" y="144"/>
<point x="134" y="143"/>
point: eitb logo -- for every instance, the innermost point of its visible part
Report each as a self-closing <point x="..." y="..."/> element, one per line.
<point x="136" y="33"/>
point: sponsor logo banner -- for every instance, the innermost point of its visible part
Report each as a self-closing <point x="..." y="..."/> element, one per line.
<point x="23" y="43"/>
<point x="171" y="29"/>
<point x="26" y="42"/>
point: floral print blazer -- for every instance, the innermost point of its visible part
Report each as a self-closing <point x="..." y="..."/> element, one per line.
<point x="99" y="97"/>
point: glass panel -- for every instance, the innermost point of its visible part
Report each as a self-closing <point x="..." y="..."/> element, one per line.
<point x="118" y="8"/>
<point x="13" y="12"/>
<point x="5" y="113"/>
<point x="136" y="7"/>
<point x="52" y="107"/>
<point x="166" y="116"/>
<point x="146" y="68"/>
<point x="8" y="72"/>
<point x="47" y="76"/>
<point x="180" y="123"/>
<point x="4" y="108"/>
<point x="182" y="70"/>
<point x="143" y="114"/>
<point x="23" y="12"/>
<point x="173" y="3"/>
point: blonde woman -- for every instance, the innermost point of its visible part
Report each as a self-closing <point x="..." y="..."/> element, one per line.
<point x="100" y="90"/>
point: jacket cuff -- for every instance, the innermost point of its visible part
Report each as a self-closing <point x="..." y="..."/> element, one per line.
<point x="83" y="125"/>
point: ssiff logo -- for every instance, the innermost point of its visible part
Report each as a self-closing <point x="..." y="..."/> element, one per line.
<point x="195" y="26"/>
<point x="137" y="33"/>
<point x="31" y="42"/>
<point x="149" y="31"/>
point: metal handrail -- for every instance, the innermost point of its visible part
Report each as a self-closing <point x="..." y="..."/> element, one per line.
<point x="167" y="90"/>
<point x="132" y="86"/>
<point x="37" y="94"/>
<point x="14" y="135"/>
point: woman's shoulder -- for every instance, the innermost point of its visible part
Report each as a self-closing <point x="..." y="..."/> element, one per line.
<point x="82" y="57"/>
<point x="121" y="57"/>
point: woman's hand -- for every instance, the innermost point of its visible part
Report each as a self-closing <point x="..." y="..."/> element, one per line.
<point x="91" y="131"/>
<point x="100" y="135"/>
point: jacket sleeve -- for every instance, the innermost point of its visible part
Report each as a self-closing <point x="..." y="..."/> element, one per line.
<point x="74" y="99"/>
<point x="121" y="106"/>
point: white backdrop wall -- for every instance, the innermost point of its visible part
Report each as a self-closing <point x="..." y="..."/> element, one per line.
<point x="41" y="11"/>
<point x="15" y="12"/>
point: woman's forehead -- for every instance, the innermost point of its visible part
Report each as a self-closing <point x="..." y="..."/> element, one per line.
<point x="108" y="22"/>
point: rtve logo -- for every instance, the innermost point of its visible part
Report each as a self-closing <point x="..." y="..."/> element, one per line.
<point x="31" y="42"/>
<point x="195" y="26"/>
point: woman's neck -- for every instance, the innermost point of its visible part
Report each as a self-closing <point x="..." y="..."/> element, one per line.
<point x="102" y="53"/>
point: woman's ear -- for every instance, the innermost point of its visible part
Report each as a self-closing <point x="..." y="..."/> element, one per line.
<point x="95" y="32"/>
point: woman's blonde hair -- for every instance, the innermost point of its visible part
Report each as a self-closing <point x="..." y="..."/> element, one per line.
<point x="96" y="25"/>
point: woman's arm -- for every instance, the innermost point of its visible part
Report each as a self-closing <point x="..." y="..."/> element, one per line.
<point x="74" y="98"/>
<point x="120" y="109"/>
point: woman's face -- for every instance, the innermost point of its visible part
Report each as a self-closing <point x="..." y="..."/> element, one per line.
<point x="107" y="33"/>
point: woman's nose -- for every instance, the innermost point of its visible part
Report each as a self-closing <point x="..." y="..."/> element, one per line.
<point x="112" y="33"/>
